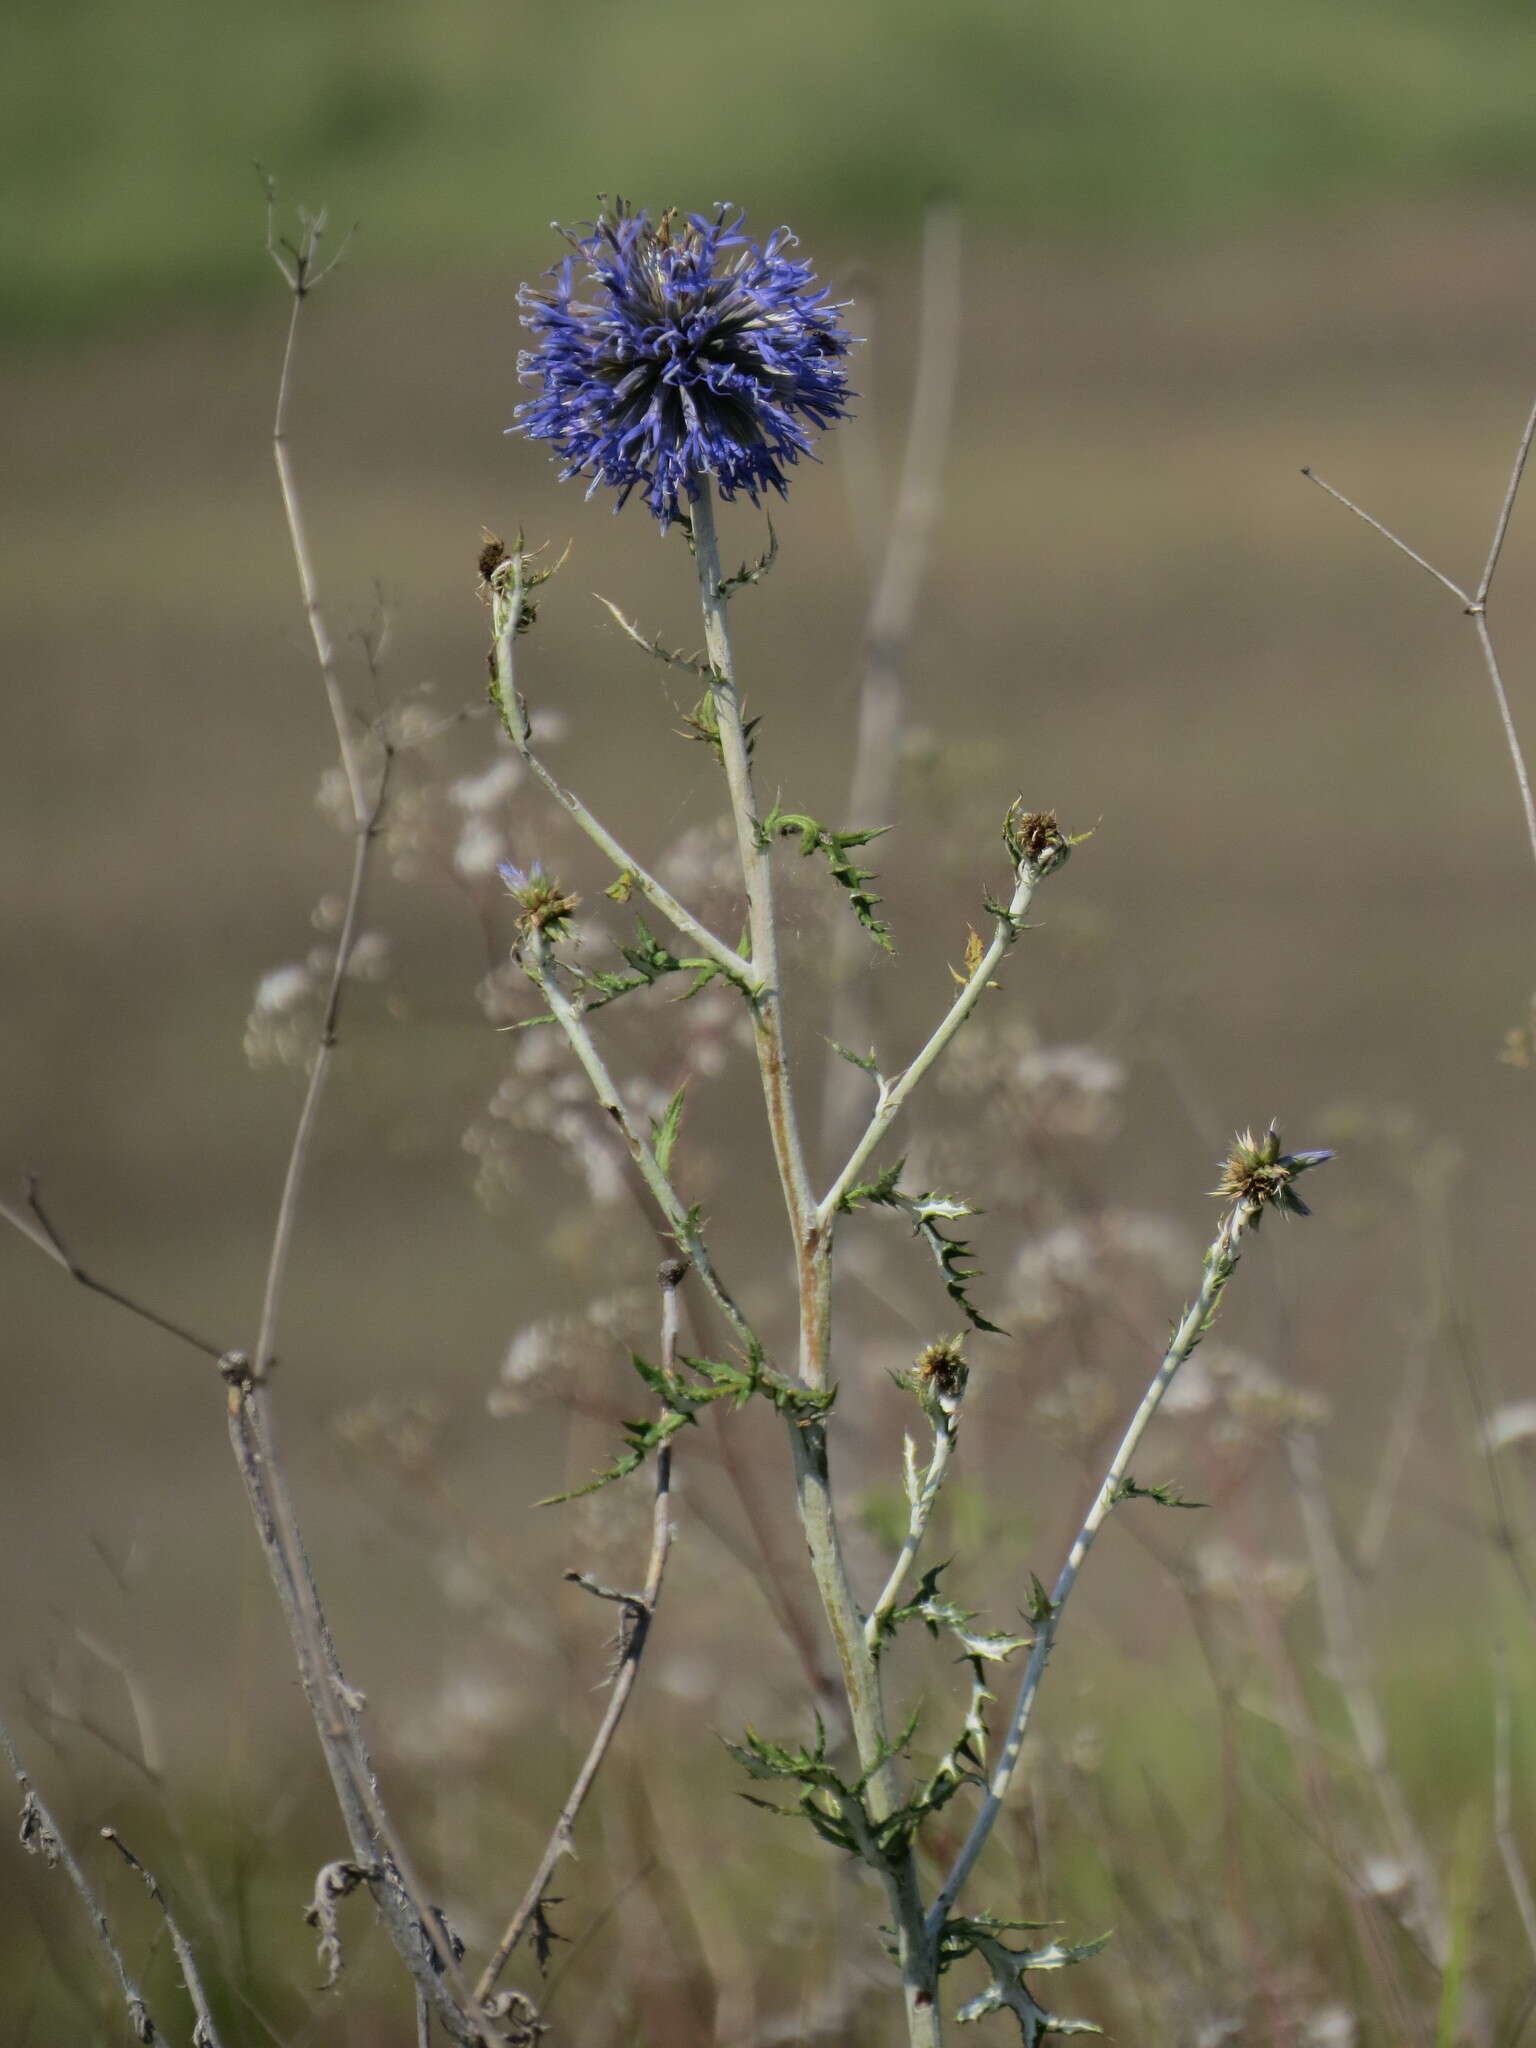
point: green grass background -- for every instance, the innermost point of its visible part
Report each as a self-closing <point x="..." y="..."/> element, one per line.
<point x="127" y="133"/>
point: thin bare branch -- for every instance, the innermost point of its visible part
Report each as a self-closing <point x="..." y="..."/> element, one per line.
<point x="639" y="1611"/>
<point x="296" y="262"/>
<point x="1507" y="508"/>
<point x="1387" y="534"/>
<point x="1348" y="1667"/>
<point x="309" y="1112"/>
<point x="40" y="1231"/>
<point x="42" y="1836"/>
<point x="206" y="2033"/>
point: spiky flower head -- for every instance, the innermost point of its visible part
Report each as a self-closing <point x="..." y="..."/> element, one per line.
<point x="938" y="1378"/>
<point x="1256" y="1175"/>
<point x="691" y="351"/>
<point x="545" y="905"/>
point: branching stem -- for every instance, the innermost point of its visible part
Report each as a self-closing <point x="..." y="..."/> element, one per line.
<point x="1220" y="1260"/>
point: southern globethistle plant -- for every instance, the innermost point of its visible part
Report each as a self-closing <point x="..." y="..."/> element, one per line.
<point x="672" y="349"/>
<point x="697" y="361"/>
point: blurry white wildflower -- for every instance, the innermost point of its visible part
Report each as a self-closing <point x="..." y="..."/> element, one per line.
<point x="369" y="957"/>
<point x="282" y="1026"/>
<point x="700" y="859"/>
<point x="556" y="1344"/>
<point x="1212" y="2033"/>
<point x="413" y="723"/>
<point x="1076" y="1409"/>
<point x="1514" y="1423"/>
<point x="466" y="1723"/>
<point x="549" y="727"/>
<point x="283" y="989"/>
<point x="1071" y="1091"/>
<point x="490" y="787"/>
<point x="1330" y="2026"/>
<point x="1192" y="1390"/>
<point x="333" y="799"/>
<point x="328" y="913"/>
<point x="1257" y="1399"/>
<point x="481" y="848"/>
<point x="1049" y="1271"/>
<point x="1385" y="1877"/>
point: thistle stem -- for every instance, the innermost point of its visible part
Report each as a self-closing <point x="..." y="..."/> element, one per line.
<point x="1220" y="1260"/>
<point x="813" y="1269"/>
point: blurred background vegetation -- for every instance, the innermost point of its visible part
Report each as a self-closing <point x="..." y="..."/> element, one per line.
<point x="455" y="130"/>
<point x="1204" y="244"/>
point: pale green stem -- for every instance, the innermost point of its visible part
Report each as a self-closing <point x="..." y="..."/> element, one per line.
<point x="894" y="1094"/>
<point x="922" y="1507"/>
<point x="534" y="953"/>
<point x="812" y="1245"/>
<point x="1219" y="1262"/>
<point x="507" y="590"/>
<point x="757" y="878"/>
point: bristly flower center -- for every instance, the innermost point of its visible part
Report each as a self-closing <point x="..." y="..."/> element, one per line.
<point x="692" y="352"/>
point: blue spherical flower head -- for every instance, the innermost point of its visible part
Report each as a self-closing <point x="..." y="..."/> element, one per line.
<point x="691" y="352"/>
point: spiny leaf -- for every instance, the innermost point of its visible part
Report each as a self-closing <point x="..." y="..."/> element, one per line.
<point x="854" y="1059"/>
<point x="847" y="874"/>
<point x="1165" y="1496"/>
<point x="664" y="1131"/>
<point x="692" y="663"/>
<point x="752" y="572"/>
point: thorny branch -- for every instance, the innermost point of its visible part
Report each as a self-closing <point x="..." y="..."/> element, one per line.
<point x="206" y="2033"/>
<point x="42" y="1836"/>
<point x="1220" y="1261"/>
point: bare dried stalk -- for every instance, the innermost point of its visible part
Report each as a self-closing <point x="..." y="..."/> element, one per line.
<point x="1219" y="1262"/>
<point x="639" y="1611"/>
<point x="335" y="1709"/>
<point x="41" y="1834"/>
<point x="892" y="611"/>
<point x="39" y="1230"/>
<point x="1474" y="604"/>
<point x="206" y="2033"/>
<point x="1350" y="1671"/>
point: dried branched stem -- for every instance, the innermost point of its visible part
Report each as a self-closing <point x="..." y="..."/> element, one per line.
<point x="206" y="2033"/>
<point x="41" y="1834"/>
<point x="39" y="1229"/>
<point x="1349" y="1668"/>
<point x="639" y="1610"/>
<point x="1474" y="604"/>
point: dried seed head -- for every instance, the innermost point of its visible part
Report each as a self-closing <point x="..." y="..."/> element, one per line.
<point x="1256" y="1175"/>
<point x="1034" y="840"/>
